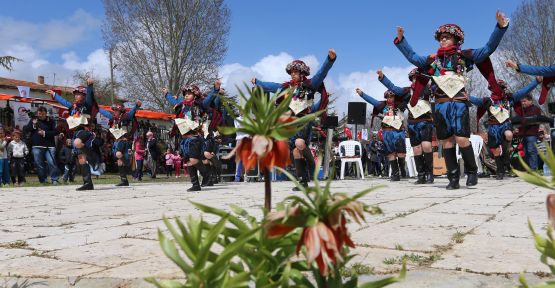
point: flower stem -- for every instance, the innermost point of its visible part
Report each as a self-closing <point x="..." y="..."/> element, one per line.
<point x="268" y="191"/>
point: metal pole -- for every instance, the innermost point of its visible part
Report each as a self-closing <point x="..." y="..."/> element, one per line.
<point x="327" y="153"/>
<point x="111" y="74"/>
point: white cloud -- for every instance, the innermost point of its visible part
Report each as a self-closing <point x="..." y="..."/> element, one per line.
<point x="34" y="65"/>
<point x="34" y="42"/>
<point x="272" y="68"/>
<point x="53" y="34"/>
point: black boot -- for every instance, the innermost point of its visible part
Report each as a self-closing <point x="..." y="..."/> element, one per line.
<point x="394" y="170"/>
<point x="419" y="162"/>
<point x="194" y="179"/>
<point x="302" y="173"/>
<point x="500" y="164"/>
<point x="429" y="167"/>
<point x="310" y="163"/>
<point x="122" y="176"/>
<point x="217" y="169"/>
<point x="87" y="180"/>
<point x="453" y="173"/>
<point x="213" y="174"/>
<point x="469" y="165"/>
<point x="507" y="158"/>
<point x="402" y="167"/>
<point x="205" y="173"/>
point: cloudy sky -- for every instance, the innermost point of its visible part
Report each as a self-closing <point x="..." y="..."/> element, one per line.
<point x="55" y="38"/>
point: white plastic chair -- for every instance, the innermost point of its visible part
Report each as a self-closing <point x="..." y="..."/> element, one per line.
<point x="349" y="156"/>
<point x="409" y="160"/>
<point x="411" y="165"/>
<point x="477" y="143"/>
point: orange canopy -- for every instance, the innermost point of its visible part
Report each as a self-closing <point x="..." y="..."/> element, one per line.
<point x="146" y="114"/>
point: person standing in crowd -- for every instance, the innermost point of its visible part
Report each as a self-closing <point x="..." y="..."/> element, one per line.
<point x="17" y="151"/>
<point x="139" y="148"/>
<point x="153" y="153"/>
<point x="374" y="161"/>
<point x="67" y="159"/>
<point x="43" y="146"/>
<point x="177" y="161"/>
<point x="4" y="162"/>
<point x="168" y="160"/>
<point x="529" y="131"/>
<point x="541" y="146"/>
<point x="238" y="137"/>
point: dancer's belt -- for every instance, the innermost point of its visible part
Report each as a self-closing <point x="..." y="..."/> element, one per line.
<point x="447" y="99"/>
<point x="421" y="119"/>
<point x="387" y="128"/>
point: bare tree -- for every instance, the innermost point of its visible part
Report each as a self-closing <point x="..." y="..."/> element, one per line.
<point x="529" y="39"/>
<point x="165" y="43"/>
<point x="6" y="62"/>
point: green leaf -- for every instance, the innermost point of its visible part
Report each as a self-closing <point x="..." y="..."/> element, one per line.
<point x="207" y="243"/>
<point x="180" y="240"/>
<point x="226" y="130"/>
<point x="169" y="249"/>
<point x="534" y="179"/>
<point x="231" y="250"/>
<point x="387" y="281"/>
<point x="215" y="211"/>
<point x="239" y="280"/>
<point x="165" y="283"/>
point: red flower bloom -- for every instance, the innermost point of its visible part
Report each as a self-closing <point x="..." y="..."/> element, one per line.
<point x="267" y="152"/>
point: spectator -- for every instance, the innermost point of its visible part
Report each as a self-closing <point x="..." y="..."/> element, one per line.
<point x="43" y="130"/>
<point x="373" y="160"/>
<point x="168" y="157"/>
<point x="67" y="159"/>
<point x="4" y="162"/>
<point x="153" y="153"/>
<point x="382" y="159"/>
<point x="139" y="148"/>
<point x="177" y="161"/>
<point x="17" y="151"/>
<point x="529" y="133"/>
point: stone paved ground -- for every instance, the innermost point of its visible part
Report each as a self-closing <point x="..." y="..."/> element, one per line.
<point x="475" y="237"/>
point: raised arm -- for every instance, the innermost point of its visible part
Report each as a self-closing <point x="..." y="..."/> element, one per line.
<point x="170" y="98"/>
<point x="518" y="95"/>
<point x="367" y="98"/>
<point x="319" y="77"/>
<point x="403" y="45"/>
<point x="478" y="55"/>
<point x="477" y="101"/>
<point x="270" y="87"/>
<point x="208" y="99"/>
<point x="89" y="99"/>
<point x="64" y="102"/>
<point x="399" y="91"/>
<point x="106" y="113"/>
<point x="537" y="70"/>
<point x="129" y="116"/>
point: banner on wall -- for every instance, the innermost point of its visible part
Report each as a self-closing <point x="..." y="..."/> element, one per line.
<point x="24" y="91"/>
<point x="20" y="115"/>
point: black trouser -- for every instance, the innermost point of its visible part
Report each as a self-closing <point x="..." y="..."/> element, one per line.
<point x="17" y="167"/>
